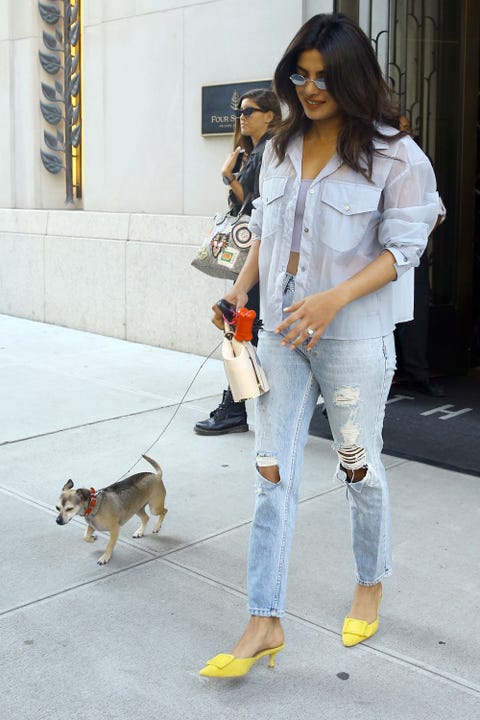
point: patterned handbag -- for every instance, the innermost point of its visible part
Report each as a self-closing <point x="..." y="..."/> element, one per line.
<point x="224" y="251"/>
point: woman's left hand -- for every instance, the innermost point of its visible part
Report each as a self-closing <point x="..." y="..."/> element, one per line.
<point x="308" y="319"/>
<point x="229" y="164"/>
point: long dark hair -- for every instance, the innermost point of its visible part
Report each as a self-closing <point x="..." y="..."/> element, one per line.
<point x="266" y="100"/>
<point x="354" y="80"/>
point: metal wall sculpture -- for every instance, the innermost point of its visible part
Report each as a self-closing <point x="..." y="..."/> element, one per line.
<point x="61" y="106"/>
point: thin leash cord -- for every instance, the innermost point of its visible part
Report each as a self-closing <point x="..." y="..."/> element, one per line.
<point x="179" y="405"/>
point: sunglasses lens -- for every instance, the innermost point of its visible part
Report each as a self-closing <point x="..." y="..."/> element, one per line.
<point x="246" y="112"/>
<point x="300" y="80"/>
<point x="297" y="79"/>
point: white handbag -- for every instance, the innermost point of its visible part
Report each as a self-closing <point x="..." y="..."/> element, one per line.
<point x="244" y="372"/>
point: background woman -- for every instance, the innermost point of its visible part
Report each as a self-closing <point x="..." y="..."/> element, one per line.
<point x="347" y="203"/>
<point x="258" y="113"/>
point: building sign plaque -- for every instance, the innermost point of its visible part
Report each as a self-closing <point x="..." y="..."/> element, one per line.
<point x="219" y="102"/>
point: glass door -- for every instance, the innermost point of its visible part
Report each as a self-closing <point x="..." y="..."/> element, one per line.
<point x="429" y="53"/>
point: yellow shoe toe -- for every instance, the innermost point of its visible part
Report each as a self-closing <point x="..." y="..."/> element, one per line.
<point x="224" y="665"/>
<point x="356" y="631"/>
<point x="228" y="666"/>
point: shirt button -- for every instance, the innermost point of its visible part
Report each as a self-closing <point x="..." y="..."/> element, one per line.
<point x="311" y="192"/>
<point x="305" y="230"/>
<point x="347" y="208"/>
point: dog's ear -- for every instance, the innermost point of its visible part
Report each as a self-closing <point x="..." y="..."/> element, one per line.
<point x="83" y="494"/>
<point x="68" y="485"/>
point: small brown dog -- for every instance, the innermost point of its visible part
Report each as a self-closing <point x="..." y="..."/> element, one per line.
<point x="110" y="508"/>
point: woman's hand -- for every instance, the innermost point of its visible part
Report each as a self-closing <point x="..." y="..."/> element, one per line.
<point x="237" y="298"/>
<point x="316" y="312"/>
<point x="313" y="313"/>
<point x="229" y="164"/>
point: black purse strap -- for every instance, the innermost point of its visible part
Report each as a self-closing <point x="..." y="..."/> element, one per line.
<point x="246" y="200"/>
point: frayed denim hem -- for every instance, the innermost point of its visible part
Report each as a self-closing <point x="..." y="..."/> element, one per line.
<point x="369" y="583"/>
<point x="266" y="613"/>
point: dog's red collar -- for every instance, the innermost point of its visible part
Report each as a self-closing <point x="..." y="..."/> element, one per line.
<point x="93" y="501"/>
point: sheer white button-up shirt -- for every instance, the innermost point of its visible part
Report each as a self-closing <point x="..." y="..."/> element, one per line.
<point x="348" y="221"/>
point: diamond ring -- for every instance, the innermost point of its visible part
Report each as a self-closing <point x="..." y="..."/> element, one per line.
<point x="310" y="332"/>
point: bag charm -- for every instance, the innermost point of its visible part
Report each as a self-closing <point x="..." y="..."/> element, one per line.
<point x="244" y="372"/>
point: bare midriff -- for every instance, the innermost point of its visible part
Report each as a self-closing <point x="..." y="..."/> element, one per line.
<point x="292" y="266"/>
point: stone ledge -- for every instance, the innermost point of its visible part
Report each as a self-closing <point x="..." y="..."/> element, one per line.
<point x="28" y="222"/>
<point x="78" y="223"/>
<point x="171" y="229"/>
<point x="139" y="227"/>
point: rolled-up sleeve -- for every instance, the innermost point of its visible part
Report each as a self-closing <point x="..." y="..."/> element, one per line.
<point x="256" y="217"/>
<point x="411" y="207"/>
<point x="256" y="220"/>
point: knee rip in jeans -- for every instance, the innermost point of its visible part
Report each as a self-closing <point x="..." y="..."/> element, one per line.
<point x="353" y="460"/>
<point x="356" y="472"/>
<point x="267" y="467"/>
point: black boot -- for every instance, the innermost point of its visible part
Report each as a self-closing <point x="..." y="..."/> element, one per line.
<point x="228" y="417"/>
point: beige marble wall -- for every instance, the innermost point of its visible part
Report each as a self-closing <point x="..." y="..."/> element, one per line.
<point x="6" y="134"/>
<point x="146" y="62"/>
<point x="118" y="263"/>
<point x="118" y="274"/>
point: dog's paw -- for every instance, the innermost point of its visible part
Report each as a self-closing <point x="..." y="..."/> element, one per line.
<point x="90" y="538"/>
<point x="103" y="560"/>
<point x="138" y="533"/>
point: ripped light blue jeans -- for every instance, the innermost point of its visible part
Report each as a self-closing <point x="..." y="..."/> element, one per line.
<point x="354" y="378"/>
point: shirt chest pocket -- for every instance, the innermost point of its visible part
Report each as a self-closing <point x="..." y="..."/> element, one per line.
<point x="273" y="193"/>
<point x="345" y="212"/>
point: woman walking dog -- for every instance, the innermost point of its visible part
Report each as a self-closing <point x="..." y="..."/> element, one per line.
<point x="346" y="206"/>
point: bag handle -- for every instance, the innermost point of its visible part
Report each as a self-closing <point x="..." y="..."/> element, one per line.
<point x="246" y="200"/>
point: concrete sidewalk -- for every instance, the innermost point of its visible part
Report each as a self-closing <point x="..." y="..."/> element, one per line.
<point x="126" y="640"/>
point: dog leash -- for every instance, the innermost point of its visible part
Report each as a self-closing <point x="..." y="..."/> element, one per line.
<point x="177" y="408"/>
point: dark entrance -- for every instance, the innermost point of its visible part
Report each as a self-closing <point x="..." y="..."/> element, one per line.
<point x="430" y="51"/>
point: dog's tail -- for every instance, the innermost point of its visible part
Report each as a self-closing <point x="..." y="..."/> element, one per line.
<point x="153" y="464"/>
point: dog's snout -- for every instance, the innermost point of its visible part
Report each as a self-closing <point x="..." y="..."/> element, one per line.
<point x="60" y="520"/>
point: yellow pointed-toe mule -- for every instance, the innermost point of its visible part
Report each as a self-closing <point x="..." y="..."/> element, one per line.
<point x="356" y="631"/>
<point x="228" y="666"/>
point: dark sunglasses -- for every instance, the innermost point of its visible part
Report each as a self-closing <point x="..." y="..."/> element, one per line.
<point x="247" y="111"/>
